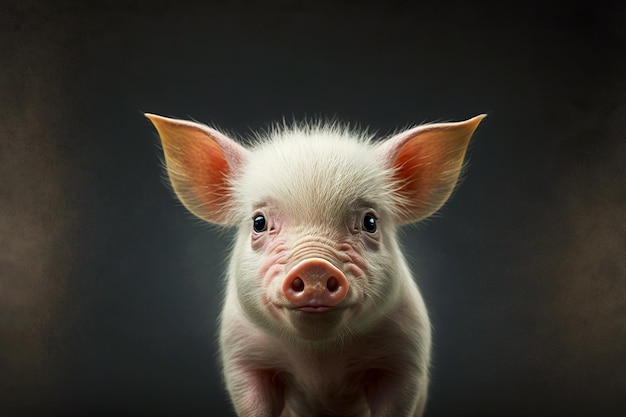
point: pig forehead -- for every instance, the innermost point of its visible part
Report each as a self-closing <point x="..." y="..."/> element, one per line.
<point x="314" y="174"/>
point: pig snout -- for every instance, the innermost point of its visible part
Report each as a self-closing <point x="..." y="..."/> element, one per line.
<point x="315" y="285"/>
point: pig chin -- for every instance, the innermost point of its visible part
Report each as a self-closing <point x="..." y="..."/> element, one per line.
<point x="317" y="326"/>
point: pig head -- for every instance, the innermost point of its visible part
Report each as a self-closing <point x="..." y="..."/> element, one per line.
<point x="321" y="315"/>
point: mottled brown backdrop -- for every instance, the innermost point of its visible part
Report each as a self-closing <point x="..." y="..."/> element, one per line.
<point x="110" y="291"/>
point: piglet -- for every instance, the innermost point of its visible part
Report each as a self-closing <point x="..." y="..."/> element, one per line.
<point x="321" y="315"/>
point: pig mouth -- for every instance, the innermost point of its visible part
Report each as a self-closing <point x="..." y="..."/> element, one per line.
<point x="319" y="309"/>
<point x="314" y="309"/>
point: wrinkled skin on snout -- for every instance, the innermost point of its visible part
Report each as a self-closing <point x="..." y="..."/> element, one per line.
<point x="322" y="316"/>
<point x="312" y="284"/>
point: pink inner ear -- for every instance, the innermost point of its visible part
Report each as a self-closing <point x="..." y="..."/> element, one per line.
<point x="205" y="171"/>
<point x="420" y="169"/>
<point x="426" y="162"/>
<point x="200" y="163"/>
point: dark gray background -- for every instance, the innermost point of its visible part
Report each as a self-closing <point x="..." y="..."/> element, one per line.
<point x="110" y="291"/>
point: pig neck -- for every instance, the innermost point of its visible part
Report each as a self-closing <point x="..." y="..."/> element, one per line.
<point x="387" y="345"/>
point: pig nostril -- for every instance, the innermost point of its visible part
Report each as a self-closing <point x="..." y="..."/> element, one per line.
<point x="297" y="285"/>
<point x="332" y="284"/>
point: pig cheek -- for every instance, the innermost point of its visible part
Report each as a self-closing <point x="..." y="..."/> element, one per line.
<point x="367" y="264"/>
<point x="372" y="243"/>
<point x="382" y="284"/>
<point x="271" y="250"/>
<point x="258" y="241"/>
<point x="354" y="268"/>
<point x="354" y="259"/>
<point x="274" y="298"/>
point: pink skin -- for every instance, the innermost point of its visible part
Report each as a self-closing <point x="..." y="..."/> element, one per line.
<point x="308" y="275"/>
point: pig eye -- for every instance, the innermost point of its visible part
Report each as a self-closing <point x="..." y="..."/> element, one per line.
<point x="369" y="223"/>
<point x="259" y="225"/>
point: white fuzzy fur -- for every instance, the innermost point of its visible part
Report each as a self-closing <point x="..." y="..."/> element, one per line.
<point x="314" y="184"/>
<point x="319" y="177"/>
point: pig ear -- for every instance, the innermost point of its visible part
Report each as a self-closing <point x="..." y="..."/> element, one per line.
<point x="426" y="162"/>
<point x="201" y="163"/>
